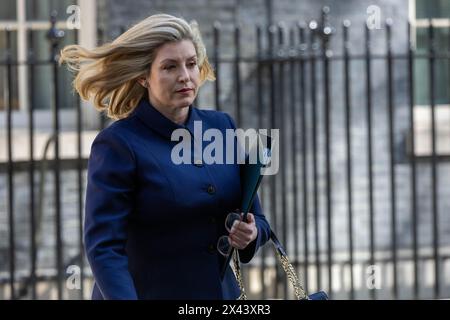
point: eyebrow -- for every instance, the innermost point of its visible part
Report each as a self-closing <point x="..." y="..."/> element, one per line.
<point x="174" y="60"/>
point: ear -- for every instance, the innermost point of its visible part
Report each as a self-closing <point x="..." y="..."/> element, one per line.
<point x="143" y="82"/>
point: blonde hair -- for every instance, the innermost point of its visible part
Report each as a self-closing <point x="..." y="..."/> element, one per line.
<point x="108" y="74"/>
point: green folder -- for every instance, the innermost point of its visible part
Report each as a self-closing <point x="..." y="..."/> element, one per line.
<point x="251" y="174"/>
<point x="251" y="178"/>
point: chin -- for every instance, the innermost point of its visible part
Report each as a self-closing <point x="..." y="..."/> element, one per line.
<point x="185" y="103"/>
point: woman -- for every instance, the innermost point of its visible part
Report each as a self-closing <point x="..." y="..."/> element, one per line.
<point x="152" y="226"/>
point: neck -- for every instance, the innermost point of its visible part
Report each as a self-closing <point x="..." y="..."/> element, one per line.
<point x="178" y="115"/>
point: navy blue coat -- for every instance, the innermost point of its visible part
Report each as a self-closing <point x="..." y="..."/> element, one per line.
<point x="152" y="226"/>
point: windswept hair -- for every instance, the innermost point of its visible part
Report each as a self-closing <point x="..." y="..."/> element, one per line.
<point x="108" y="74"/>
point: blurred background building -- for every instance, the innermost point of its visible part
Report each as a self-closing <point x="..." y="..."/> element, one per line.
<point x="359" y="90"/>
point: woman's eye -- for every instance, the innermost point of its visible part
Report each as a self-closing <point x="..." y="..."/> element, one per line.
<point x="192" y="64"/>
<point x="169" y="67"/>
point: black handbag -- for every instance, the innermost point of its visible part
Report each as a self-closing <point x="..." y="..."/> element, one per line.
<point x="299" y="291"/>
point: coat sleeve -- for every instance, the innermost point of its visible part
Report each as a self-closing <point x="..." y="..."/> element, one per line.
<point x="109" y="197"/>
<point x="262" y="225"/>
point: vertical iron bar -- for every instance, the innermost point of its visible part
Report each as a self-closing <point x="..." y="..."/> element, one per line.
<point x="237" y="73"/>
<point x="369" y="150"/>
<point x="57" y="172"/>
<point x="259" y="108"/>
<point x="304" y="142"/>
<point x="273" y="187"/>
<point x="216" y="41"/>
<point x="413" y="160"/>
<point x="100" y="36"/>
<point x="326" y="54"/>
<point x="348" y="108"/>
<point x="12" y="247"/>
<point x="54" y="35"/>
<point x="313" y="27"/>
<point x="435" y="230"/>
<point x="80" y="187"/>
<point x="283" y="137"/>
<point x="391" y="117"/>
<point x="269" y="11"/>
<point x="293" y="116"/>
<point x="31" y="67"/>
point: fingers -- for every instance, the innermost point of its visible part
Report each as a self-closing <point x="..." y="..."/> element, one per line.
<point x="244" y="227"/>
<point x="240" y="243"/>
<point x="242" y="233"/>
<point x="237" y="244"/>
<point x="241" y="238"/>
<point x="250" y="217"/>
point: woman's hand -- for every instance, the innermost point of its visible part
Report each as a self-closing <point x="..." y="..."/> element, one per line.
<point x="242" y="233"/>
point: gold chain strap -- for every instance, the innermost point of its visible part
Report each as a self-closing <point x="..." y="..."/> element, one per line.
<point x="237" y="272"/>
<point x="299" y="292"/>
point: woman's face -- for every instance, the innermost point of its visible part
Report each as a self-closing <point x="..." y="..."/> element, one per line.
<point x="174" y="75"/>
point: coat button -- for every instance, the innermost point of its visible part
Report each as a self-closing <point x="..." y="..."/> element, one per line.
<point x="211" y="248"/>
<point x="211" y="189"/>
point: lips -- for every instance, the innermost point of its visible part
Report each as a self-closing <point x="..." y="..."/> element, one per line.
<point x="184" y="90"/>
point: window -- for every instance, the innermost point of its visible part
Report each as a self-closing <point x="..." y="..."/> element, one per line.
<point x="439" y="12"/>
<point x="31" y="17"/>
<point x="4" y="90"/>
<point x="42" y="87"/>
<point x="39" y="9"/>
<point x="421" y="13"/>
<point x="8" y="11"/>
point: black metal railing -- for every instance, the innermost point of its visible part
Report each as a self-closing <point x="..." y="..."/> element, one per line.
<point x="289" y="83"/>
<point x="26" y="285"/>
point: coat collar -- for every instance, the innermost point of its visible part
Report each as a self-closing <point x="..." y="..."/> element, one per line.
<point x="156" y="121"/>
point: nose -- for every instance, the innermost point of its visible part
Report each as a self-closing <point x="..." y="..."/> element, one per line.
<point x="184" y="75"/>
